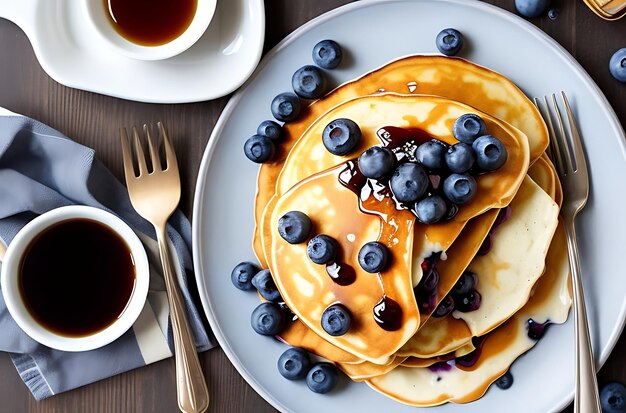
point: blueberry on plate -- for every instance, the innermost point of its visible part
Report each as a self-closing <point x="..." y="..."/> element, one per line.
<point x="617" y="65"/>
<point x="327" y="54"/>
<point x="409" y="182"/>
<point x="460" y="158"/>
<point x="445" y="307"/>
<point x="294" y="363"/>
<point x="376" y="162"/>
<point x="336" y="320"/>
<point x="270" y="129"/>
<point x="309" y="82"/>
<point x="264" y="283"/>
<point x="258" y="148"/>
<point x="268" y="319"/>
<point x="341" y="136"/>
<point x="322" y="377"/>
<point x="613" y="398"/>
<point x="505" y="381"/>
<point x="373" y="257"/>
<point x="468" y="302"/>
<point x="431" y="154"/>
<point x="531" y="8"/>
<point x="449" y="41"/>
<point x="465" y="284"/>
<point x="294" y="227"/>
<point x="468" y="127"/>
<point x="431" y="209"/>
<point x="322" y="249"/>
<point x="491" y="154"/>
<point x="285" y="107"/>
<point x="242" y="274"/>
<point x="459" y="188"/>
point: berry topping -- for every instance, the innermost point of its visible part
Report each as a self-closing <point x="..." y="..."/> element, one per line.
<point x="336" y="320"/>
<point x="445" y="307"/>
<point x="270" y="129"/>
<point x="431" y="209"/>
<point x="294" y="227"/>
<point x="505" y="381"/>
<point x="531" y="8"/>
<point x="341" y="136"/>
<point x="459" y="188"/>
<point x="613" y="398"/>
<point x="491" y="154"/>
<point x="322" y="377"/>
<point x="617" y="65"/>
<point x="242" y="274"/>
<point x="468" y="127"/>
<point x="258" y="148"/>
<point x="327" y="54"/>
<point x="465" y="284"/>
<point x="264" y="283"/>
<point x="268" y="319"/>
<point x="309" y="82"/>
<point x="408" y="182"/>
<point x="294" y="363"/>
<point x="429" y="281"/>
<point x="431" y="154"/>
<point x="285" y="107"/>
<point x="449" y="41"/>
<point x="373" y="257"/>
<point x="460" y="158"/>
<point x="322" y="249"/>
<point x="376" y="162"/>
<point x="468" y="302"/>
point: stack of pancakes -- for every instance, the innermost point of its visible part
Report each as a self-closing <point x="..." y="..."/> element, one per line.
<point x="523" y="279"/>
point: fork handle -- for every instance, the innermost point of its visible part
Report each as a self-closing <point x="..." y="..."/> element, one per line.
<point x="586" y="399"/>
<point x="191" y="388"/>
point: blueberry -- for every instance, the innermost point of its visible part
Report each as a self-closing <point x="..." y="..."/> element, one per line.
<point x="449" y="41"/>
<point x="468" y="127"/>
<point x="459" y="188"/>
<point x="373" y="257"/>
<point x="242" y="274"/>
<point x="613" y="398"/>
<point x="377" y="162"/>
<point x="491" y="154"/>
<point x="468" y="302"/>
<point x="505" y="381"/>
<point x="431" y="154"/>
<point x="258" y="148"/>
<point x="294" y="227"/>
<point x="322" y="249"/>
<point x="431" y="209"/>
<point x="531" y="8"/>
<point x="408" y="182"/>
<point x="285" y="107"/>
<point x="460" y="158"/>
<point x="617" y="65"/>
<point x="327" y="54"/>
<point x="268" y="319"/>
<point x="553" y="14"/>
<point x="341" y="136"/>
<point x="309" y="82"/>
<point x="294" y="363"/>
<point x="429" y="281"/>
<point x="445" y="307"/>
<point x="270" y="129"/>
<point x="465" y="284"/>
<point x="336" y="320"/>
<point x="322" y="377"/>
<point x="264" y="283"/>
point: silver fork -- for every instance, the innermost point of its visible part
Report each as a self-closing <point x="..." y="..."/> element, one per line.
<point x="567" y="154"/>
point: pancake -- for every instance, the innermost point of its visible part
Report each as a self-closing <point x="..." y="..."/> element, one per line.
<point x="366" y="370"/>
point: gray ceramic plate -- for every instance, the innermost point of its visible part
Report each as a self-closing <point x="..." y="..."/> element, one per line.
<point x="372" y="33"/>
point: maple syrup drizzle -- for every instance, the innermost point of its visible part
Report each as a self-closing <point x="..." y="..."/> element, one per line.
<point x="341" y="273"/>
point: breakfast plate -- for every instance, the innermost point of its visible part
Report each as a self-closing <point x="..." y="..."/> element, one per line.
<point x="71" y="52"/>
<point x="223" y="221"/>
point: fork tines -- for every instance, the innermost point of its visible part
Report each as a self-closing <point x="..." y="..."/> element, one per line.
<point x="155" y="160"/>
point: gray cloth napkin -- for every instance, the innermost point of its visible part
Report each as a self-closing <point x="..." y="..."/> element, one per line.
<point x="40" y="169"/>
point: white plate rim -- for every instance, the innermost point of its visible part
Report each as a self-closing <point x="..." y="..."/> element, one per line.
<point x="228" y="109"/>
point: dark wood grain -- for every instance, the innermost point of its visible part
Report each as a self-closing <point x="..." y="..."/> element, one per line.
<point x="94" y="120"/>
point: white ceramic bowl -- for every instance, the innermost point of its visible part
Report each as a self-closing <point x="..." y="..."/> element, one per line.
<point x="99" y="18"/>
<point x="10" y="281"/>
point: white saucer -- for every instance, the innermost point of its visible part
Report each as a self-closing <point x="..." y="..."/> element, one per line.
<point x="70" y="51"/>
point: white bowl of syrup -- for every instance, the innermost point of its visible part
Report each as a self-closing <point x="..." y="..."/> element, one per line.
<point x="150" y="29"/>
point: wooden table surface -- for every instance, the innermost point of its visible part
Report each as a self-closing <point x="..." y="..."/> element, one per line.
<point x="94" y="119"/>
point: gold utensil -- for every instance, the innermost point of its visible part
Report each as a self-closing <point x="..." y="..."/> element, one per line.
<point x="567" y="154"/>
<point x="155" y="195"/>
